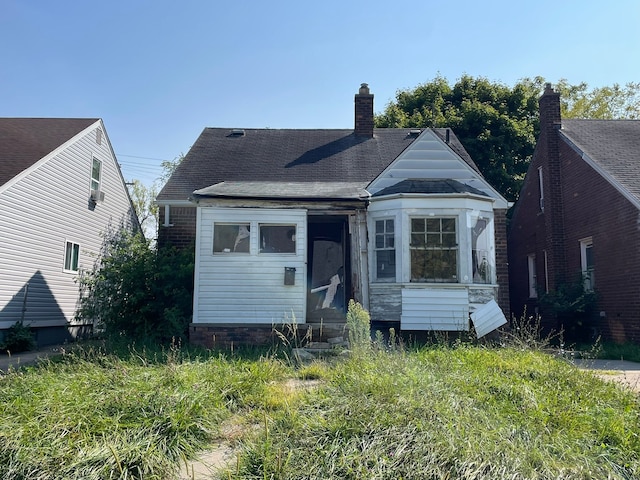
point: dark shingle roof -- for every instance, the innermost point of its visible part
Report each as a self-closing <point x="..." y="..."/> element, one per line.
<point x="291" y="190"/>
<point x="24" y="141"/>
<point x="614" y="145"/>
<point x="429" y="186"/>
<point x="289" y="155"/>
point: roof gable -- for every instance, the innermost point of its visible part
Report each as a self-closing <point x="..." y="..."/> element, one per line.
<point x="612" y="148"/>
<point x="25" y="141"/>
<point x="436" y="155"/>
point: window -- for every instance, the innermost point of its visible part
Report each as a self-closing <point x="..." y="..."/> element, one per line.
<point x="277" y="239"/>
<point x="228" y="238"/>
<point x="434" y="250"/>
<point x="71" y="254"/>
<point x="586" y="260"/>
<point x="482" y="261"/>
<point x="531" y="268"/>
<point x="541" y="187"/>
<point x="96" y="170"/>
<point x="385" y="249"/>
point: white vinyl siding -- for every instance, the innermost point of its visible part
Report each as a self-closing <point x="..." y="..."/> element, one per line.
<point x="442" y="309"/>
<point x="249" y="288"/>
<point x="41" y="210"/>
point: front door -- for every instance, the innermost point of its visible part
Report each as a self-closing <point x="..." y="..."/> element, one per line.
<point x="328" y="269"/>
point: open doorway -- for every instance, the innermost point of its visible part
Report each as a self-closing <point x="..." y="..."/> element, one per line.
<point x="329" y="269"/>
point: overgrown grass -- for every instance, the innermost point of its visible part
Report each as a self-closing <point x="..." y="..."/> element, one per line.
<point x="96" y="416"/>
<point x="436" y="412"/>
<point x="463" y="412"/>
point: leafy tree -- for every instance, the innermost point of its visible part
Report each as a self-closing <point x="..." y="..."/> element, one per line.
<point x="498" y="124"/>
<point x="143" y="199"/>
<point x="139" y="292"/>
<point x="604" y="103"/>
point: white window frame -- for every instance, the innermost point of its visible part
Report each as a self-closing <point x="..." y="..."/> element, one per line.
<point x="385" y="235"/>
<point x="96" y="182"/>
<point x="541" y="187"/>
<point x="288" y="226"/>
<point x="427" y="218"/>
<point x="231" y="250"/>
<point x="532" y="275"/>
<point x="588" y="270"/>
<point x="68" y="263"/>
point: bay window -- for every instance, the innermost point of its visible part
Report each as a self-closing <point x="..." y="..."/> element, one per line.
<point x="434" y="250"/>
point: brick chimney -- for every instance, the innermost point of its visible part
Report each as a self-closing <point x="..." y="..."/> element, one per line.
<point x="549" y="160"/>
<point x="549" y="104"/>
<point x="364" y="112"/>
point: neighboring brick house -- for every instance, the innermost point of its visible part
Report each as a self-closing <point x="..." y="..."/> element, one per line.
<point x="289" y="225"/>
<point x="579" y="214"/>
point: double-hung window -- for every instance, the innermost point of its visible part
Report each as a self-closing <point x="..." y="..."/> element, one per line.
<point x="96" y="171"/>
<point x="586" y="260"/>
<point x="532" y="276"/>
<point x="385" y="249"/>
<point x="434" y="249"/>
<point x="71" y="256"/>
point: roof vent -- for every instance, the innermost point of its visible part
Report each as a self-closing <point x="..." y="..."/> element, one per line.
<point x="414" y="132"/>
<point x="237" y="132"/>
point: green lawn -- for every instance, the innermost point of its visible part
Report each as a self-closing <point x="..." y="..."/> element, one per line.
<point x="434" y="412"/>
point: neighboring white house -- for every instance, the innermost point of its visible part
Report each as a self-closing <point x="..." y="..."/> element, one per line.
<point x="61" y="190"/>
<point x="289" y="225"/>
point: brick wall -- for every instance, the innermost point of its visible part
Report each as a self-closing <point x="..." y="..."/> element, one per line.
<point x="502" y="261"/>
<point x="594" y="208"/>
<point x="182" y="232"/>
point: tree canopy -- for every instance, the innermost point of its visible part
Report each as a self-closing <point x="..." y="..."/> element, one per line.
<point x="498" y="124"/>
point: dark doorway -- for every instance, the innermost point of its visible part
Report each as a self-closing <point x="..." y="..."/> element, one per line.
<point x="329" y="268"/>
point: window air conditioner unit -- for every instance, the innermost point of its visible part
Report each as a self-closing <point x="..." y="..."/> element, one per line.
<point x="97" y="196"/>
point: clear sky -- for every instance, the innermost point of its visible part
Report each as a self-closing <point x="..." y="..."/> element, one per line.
<point x="159" y="71"/>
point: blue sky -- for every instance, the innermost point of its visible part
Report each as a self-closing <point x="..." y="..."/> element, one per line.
<point x="159" y="71"/>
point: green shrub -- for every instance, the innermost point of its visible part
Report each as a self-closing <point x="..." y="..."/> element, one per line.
<point x="18" y="338"/>
<point x="138" y="292"/>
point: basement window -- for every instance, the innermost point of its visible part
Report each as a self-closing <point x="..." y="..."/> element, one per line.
<point x="231" y="237"/>
<point x="277" y="238"/>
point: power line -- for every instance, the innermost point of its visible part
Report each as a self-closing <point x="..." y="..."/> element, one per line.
<point x="143" y="158"/>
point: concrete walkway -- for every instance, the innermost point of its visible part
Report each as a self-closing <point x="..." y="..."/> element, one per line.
<point x="621" y="371"/>
<point x="22" y="359"/>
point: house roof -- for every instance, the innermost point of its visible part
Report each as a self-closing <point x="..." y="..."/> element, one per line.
<point x="422" y="186"/>
<point x="24" y="141"/>
<point x="292" y="190"/>
<point x="295" y="157"/>
<point x="612" y="146"/>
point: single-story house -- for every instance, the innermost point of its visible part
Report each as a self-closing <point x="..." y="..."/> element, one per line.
<point x="288" y="225"/>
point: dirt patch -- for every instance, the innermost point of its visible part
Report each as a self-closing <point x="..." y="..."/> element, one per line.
<point x="224" y="455"/>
